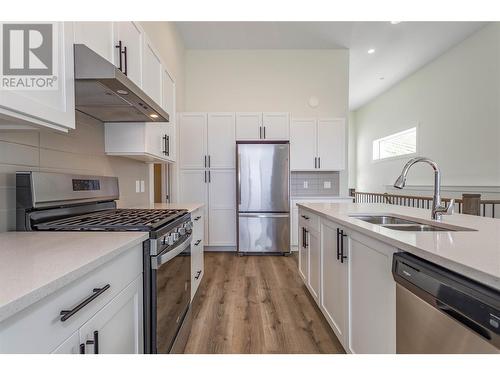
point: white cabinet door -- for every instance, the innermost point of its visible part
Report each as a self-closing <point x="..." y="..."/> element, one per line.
<point x="98" y="36"/>
<point x="372" y="312"/>
<point x="276" y="125"/>
<point x="118" y="327"/>
<point x="294" y="227"/>
<point x="151" y="72"/>
<point x="331" y="144"/>
<point x="130" y="35"/>
<point x="334" y="286"/>
<point x="314" y="264"/>
<point x="248" y="126"/>
<point x="222" y="208"/>
<point x="70" y="346"/>
<point x="193" y="140"/>
<point x="168" y="95"/>
<point x="52" y="107"/>
<point x="303" y="144"/>
<point x="303" y="253"/>
<point x="221" y="141"/>
<point x="193" y="188"/>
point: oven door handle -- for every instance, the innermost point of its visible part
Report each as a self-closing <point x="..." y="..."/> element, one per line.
<point x="157" y="261"/>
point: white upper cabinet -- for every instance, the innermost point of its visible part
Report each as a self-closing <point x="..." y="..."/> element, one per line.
<point x="98" y="36"/>
<point x="221" y="145"/>
<point x="52" y="107"/>
<point x="252" y="126"/>
<point x="151" y="72"/>
<point x="193" y="140"/>
<point x="248" y="126"/>
<point x="275" y="125"/>
<point x="302" y="144"/>
<point x="168" y="94"/>
<point x="128" y="56"/>
<point x="331" y="144"/>
<point x="317" y="144"/>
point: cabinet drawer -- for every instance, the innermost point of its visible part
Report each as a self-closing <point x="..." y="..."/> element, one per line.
<point x="309" y="220"/>
<point x="39" y="329"/>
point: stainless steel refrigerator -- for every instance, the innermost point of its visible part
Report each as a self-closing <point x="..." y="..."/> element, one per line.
<point x="263" y="194"/>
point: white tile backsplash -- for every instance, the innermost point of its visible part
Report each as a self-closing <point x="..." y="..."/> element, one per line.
<point x="81" y="152"/>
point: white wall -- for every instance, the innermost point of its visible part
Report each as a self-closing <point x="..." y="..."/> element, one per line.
<point x="269" y="81"/>
<point x="456" y="101"/>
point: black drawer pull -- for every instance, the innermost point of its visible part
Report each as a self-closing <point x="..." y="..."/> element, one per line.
<point x="198" y="274"/>
<point x="197" y="218"/>
<point x="305" y="217"/>
<point x="197" y="243"/>
<point x="95" y="342"/>
<point x="66" y="314"/>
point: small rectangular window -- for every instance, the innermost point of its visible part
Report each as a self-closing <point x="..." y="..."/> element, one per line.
<point x="402" y="143"/>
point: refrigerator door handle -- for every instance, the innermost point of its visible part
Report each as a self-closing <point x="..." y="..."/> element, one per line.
<point x="281" y="215"/>
<point x="239" y="178"/>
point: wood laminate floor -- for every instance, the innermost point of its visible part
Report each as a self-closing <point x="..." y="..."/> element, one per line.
<point x="256" y="304"/>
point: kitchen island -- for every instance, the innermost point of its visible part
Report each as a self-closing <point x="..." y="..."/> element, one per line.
<point x="346" y="263"/>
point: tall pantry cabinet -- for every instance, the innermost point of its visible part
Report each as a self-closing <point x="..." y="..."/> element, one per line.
<point x="207" y="172"/>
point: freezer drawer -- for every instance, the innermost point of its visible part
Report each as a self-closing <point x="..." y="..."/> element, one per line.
<point x="260" y="232"/>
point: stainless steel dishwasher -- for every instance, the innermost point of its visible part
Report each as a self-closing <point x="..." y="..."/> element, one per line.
<point x="439" y="311"/>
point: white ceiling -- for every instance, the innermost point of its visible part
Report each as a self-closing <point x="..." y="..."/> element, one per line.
<point x="400" y="49"/>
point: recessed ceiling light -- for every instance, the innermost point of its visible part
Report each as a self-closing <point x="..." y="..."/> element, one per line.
<point x="153" y="115"/>
<point x="395" y="22"/>
<point x="371" y="50"/>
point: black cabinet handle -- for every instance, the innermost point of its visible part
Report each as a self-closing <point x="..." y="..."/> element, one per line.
<point x="205" y="176"/>
<point x="197" y="218"/>
<point x="66" y="314"/>
<point x="338" y="243"/>
<point x="198" y="274"/>
<point x="264" y="132"/>
<point x="305" y="217"/>
<point x="125" y="70"/>
<point x="209" y="176"/>
<point x="319" y="162"/>
<point x="205" y="162"/>
<point x="305" y="244"/>
<point x="342" y="256"/>
<point x="119" y="46"/>
<point x="94" y="342"/>
<point x="197" y="243"/>
<point x="82" y="348"/>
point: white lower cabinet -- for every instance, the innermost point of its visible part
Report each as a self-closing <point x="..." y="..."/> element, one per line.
<point x="197" y="250"/>
<point x="334" y="283"/>
<point x="372" y="310"/>
<point x="117" y="328"/>
<point x="115" y="313"/>
<point x="357" y="291"/>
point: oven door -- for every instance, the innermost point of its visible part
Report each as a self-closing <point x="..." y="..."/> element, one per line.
<point x="171" y="293"/>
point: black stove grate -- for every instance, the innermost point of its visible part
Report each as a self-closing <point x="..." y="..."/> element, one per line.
<point x="115" y="220"/>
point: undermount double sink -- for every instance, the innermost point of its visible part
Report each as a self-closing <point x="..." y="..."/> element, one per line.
<point x="407" y="225"/>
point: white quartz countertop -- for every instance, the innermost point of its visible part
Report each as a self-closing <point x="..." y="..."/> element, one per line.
<point x="170" y="206"/>
<point x="36" y="264"/>
<point x="475" y="254"/>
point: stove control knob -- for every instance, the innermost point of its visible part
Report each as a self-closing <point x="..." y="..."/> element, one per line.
<point x="175" y="236"/>
<point x="182" y="231"/>
<point x="188" y="225"/>
<point x="169" y="240"/>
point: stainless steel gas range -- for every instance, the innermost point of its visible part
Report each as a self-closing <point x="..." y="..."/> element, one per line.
<point x="64" y="202"/>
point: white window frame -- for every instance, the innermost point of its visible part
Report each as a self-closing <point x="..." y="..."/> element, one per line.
<point x="404" y="156"/>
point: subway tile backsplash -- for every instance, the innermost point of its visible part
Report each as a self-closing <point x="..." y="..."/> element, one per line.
<point x="317" y="184"/>
<point x="81" y="151"/>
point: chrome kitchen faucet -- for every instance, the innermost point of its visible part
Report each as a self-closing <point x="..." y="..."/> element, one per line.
<point x="438" y="208"/>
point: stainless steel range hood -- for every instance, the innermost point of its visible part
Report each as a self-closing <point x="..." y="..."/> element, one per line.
<point x="105" y="93"/>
